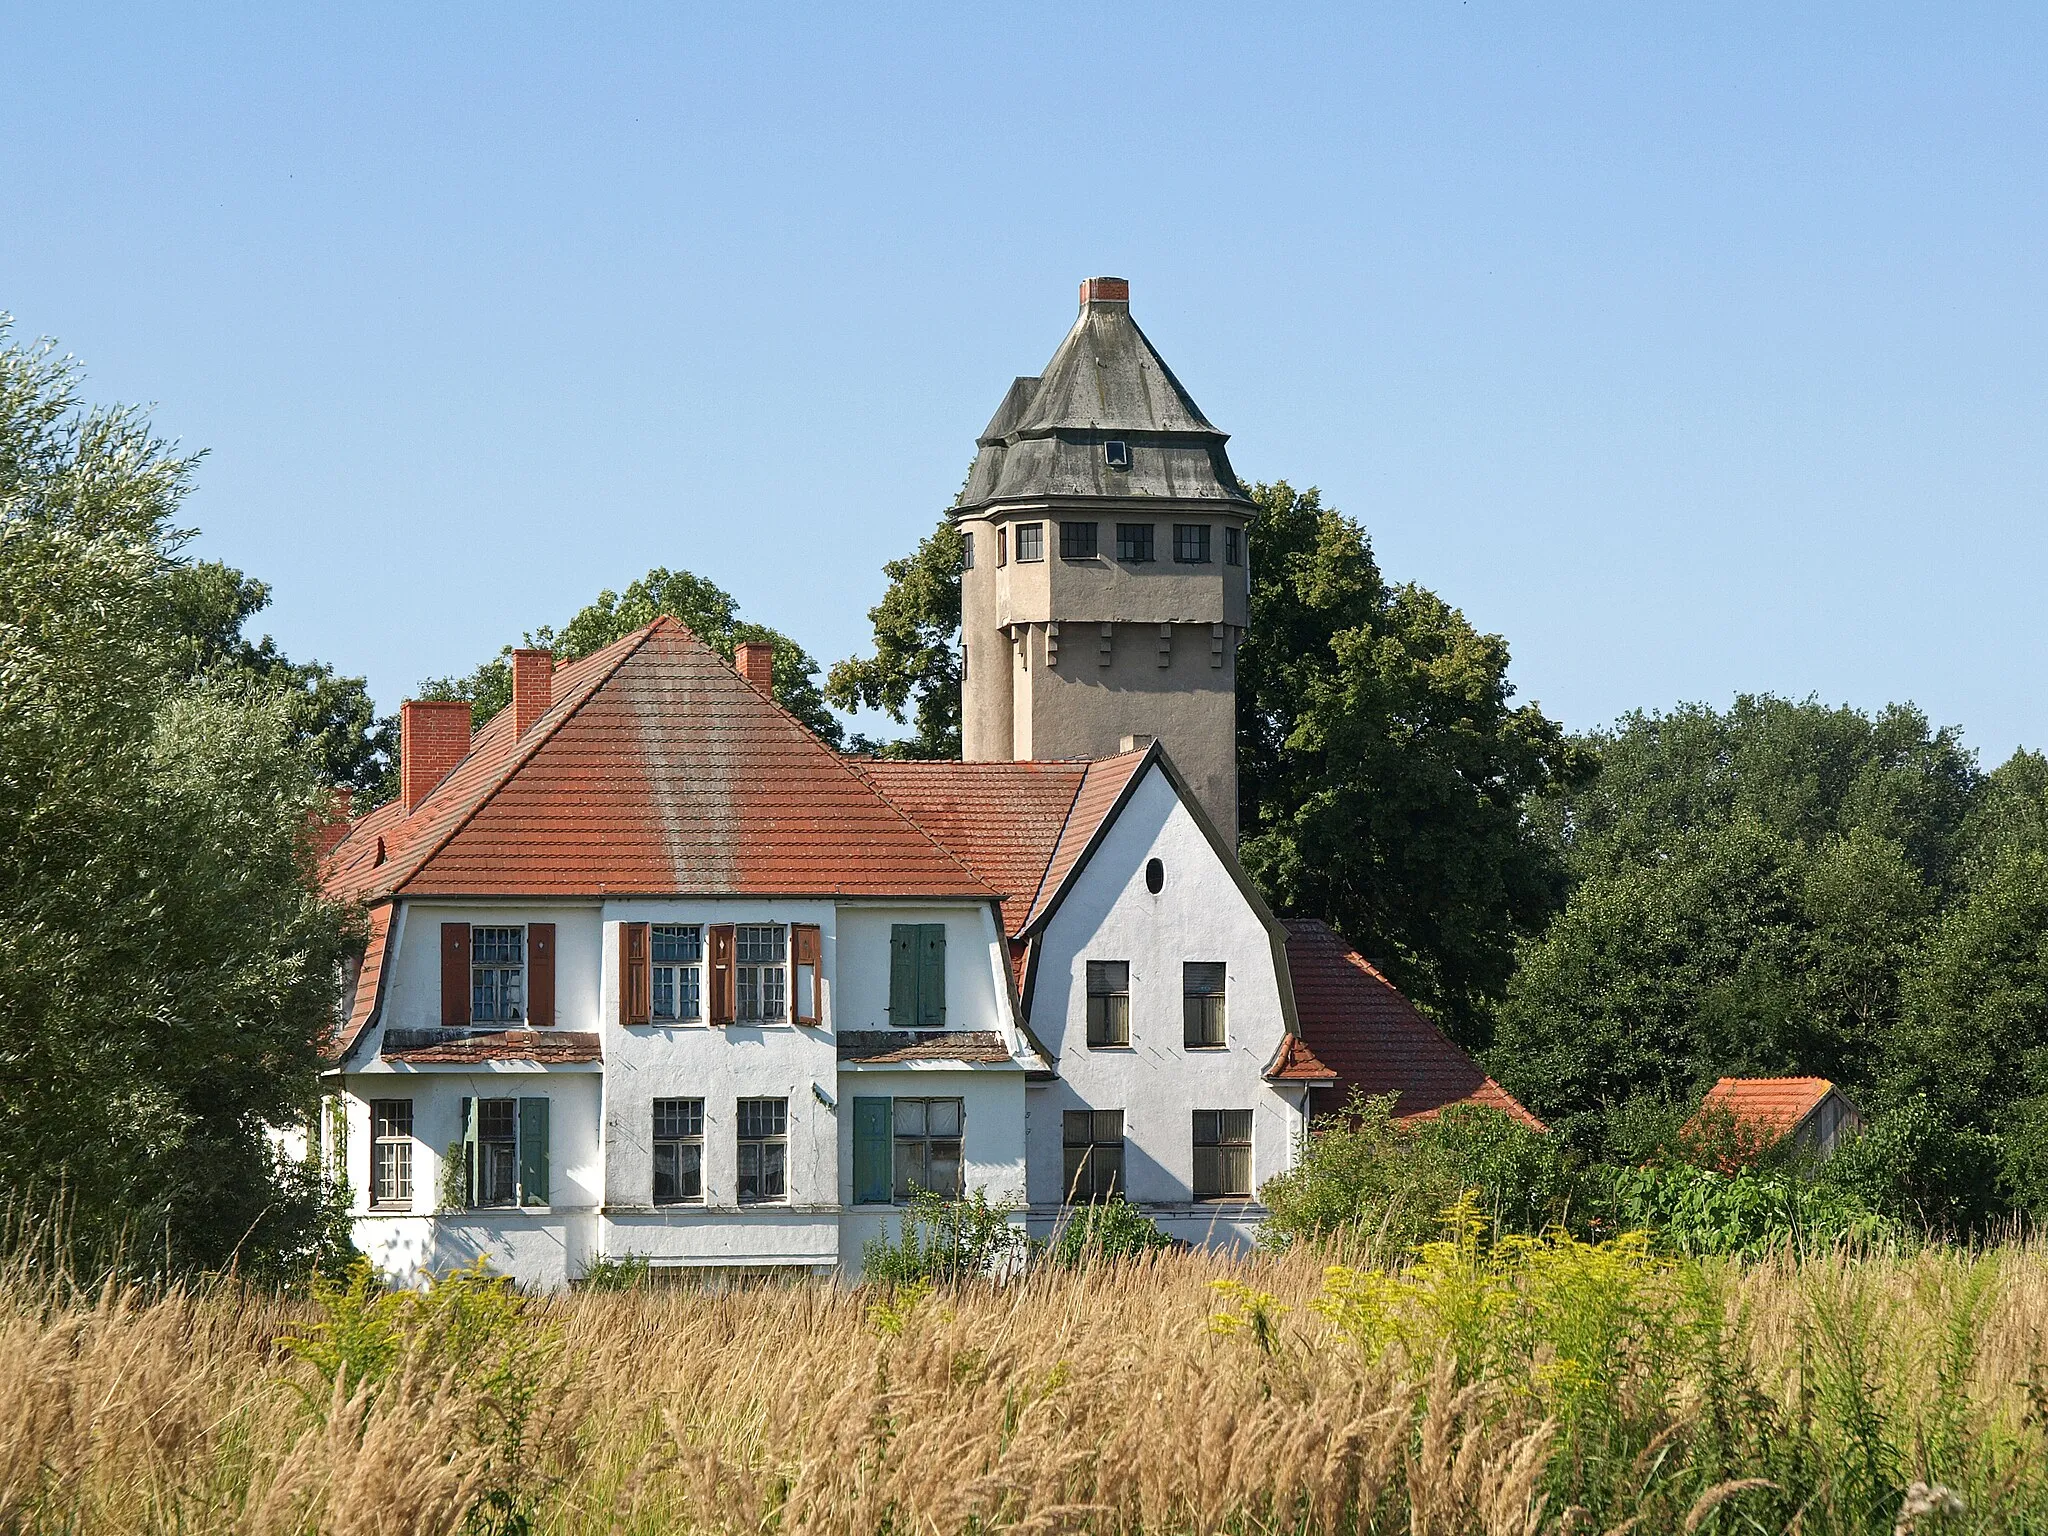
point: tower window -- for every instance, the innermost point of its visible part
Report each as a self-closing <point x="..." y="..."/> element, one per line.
<point x="967" y="551"/>
<point x="1134" y="542"/>
<point x="1191" y="543"/>
<point x="1233" y="547"/>
<point x="1077" y="541"/>
<point x="1117" y="453"/>
<point x="1002" y="546"/>
<point x="1030" y="542"/>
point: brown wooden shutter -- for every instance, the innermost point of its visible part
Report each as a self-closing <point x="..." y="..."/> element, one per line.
<point x="455" y="973"/>
<point x="807" y="989"/>
<point x="724" y="980"/>
<point x="540" y="974"/>
<point x="636" y="984"/>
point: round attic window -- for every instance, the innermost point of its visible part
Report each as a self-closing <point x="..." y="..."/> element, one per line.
<point x="1155" y="875"/>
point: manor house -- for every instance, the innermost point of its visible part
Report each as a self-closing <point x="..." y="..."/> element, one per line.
<point x="654" y="972"/>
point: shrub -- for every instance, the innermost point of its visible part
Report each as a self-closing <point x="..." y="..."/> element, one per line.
<point x="942" y="1240"/>
<point x="1745" y="1214"/>
<point x="1105" y="1231"/>
<point x="627" y="1273"/>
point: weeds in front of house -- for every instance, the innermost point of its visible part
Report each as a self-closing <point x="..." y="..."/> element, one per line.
<point x="1475" y="1384"/>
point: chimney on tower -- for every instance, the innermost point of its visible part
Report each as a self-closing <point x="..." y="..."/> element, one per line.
<point x="1105" y="290"/>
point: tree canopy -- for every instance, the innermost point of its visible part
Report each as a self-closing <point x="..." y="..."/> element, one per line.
<point x="916" y="665"/>
<point x="711" y="613"/>
<point x="166" y="970"/>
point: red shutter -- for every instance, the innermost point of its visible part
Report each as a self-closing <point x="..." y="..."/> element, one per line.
<point x="636" y="989"/>
<point x="724" y="981"/>
<point x="455" y="973"/>
<point x="807" y="987"/>
<point x="540" y="974"/>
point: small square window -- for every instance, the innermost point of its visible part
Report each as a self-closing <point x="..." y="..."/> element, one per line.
<point x="1233" y="546"/>
<point x="1191" y="543"/>
<point x="1030" y="543"/>
<point x="1134" y="542"/>
<point x="1116" y="453"/>
<point x="1077" y="541"/>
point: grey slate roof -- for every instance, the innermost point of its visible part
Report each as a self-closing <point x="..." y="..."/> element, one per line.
<point x="1105" y="382"/>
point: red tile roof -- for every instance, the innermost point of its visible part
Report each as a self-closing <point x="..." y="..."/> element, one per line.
<point x="1100" y="790"/>
<point x="1374" y="1039"/>
<point x="363" y="1002"/>
<point x="1774" y="1105"/>
<point x="656" y="770"/>
<point x="1294" y="1062"/>
<point x="546" y="1046"/>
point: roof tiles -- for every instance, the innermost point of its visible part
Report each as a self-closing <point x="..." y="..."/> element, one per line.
<point x="545" y="1046"/>
<point x="1774" y="1104"/>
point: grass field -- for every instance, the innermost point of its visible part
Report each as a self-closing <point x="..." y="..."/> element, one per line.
<point x="1543" y="1387"/>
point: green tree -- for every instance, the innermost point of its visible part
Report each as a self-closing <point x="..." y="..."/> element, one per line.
<point x="916" y="665"/>
<point x="711" y="613"/>
<point x="1385" y="777"/>
<point x="1751" y="887"/>
<point x="166" y="969"/>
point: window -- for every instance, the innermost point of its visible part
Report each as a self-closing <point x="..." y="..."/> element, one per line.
<point x="764" y="1146"/>
<point x="763" y="971"/>
<point x="1093" y="1144"/>
<point x="1109" y="1002"/>
<point x="1030" y="542"/>
<point x="917" y="975"/>
<point x="1191" y="543"/>
<point x="678" y="970"/>
<point x="390" y="1151"/>
<point x="678" y="1151"/>
<point x="497" y="1152"/>
<point x="967" y="551"/>
<point x="1002" y="546"/>
<point x="1233" y="546"/>
<point x="1077" y="541"/>
<point x="1116" y="453"/>
<point x="1223" y="1154"/>
<point x="497" y="975"/>
<point x="1134" y="542"/>
<point x="1201" y="1003"/>
<point x="928" y="1147"/>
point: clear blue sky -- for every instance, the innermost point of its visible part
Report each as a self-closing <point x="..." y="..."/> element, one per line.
<point x="1695" y="350"/>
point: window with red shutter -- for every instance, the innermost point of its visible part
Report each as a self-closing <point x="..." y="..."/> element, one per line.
<point x="454" y="973"/>
<point x="807" y="987"/>
<point x="724" y="996"/>
<point x="635" y="987"/>
<point x="540" y="974"/>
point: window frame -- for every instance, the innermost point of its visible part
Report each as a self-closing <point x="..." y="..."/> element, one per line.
<point x="1002" y="546"/>
<point x="899" y="1191"/>
<point x="499" y="969"/>
<point x="1196" y="1006"/>
<point x="677" y="1134"/>
<point x="386" y="1134"/>
<point x="1136" y="543"/>
<point x="762" y="971"/>
<point x="1229" y="1132"/>
<point x="684" y="974"/>
<point x="1035" y="543"/>
<point x="1092" y="1155"/>
<point x="1116" y="453"/>
<point x="1193" y="537"/>
<point x="762" y="1141"/>
<point x="485" y="1147"/>
<point x="1080" y="541"/>
<point x="1108" y="1027"/>
<point x="1233" y="545"/>
<point x="967" y="549"/>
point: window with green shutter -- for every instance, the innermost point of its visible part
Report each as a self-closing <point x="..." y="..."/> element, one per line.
<point x="874" y="1143"/>
<point x="917" y="975"/>
<point x="533" y="1151"/>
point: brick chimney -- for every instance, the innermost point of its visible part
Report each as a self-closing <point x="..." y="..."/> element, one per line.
<point x="1105" y="290"/>
<point x="433" y="736"/>
<point x="533" y="680"/>
<point x="756" y="662"/>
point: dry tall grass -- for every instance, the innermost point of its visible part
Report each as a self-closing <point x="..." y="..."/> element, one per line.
<point x="1102" y="1402"/>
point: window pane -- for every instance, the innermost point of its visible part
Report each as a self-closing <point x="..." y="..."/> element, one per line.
<point x="910" y="1174"/>
<point x="1031" y="541"/>
<point x="750" y="1170"/>
<point x="1077" y="1127"/>
<point x="1134" y="541"/>
<point x="1105" y="976"/>
<point x="942" y="1165"/>
<point x="664" y="991"/>
<point x="1203" y="1018"/>
<point x="1109" y="1126"/>
<point x="1077" y="541"/>
<point x="1236" y="1126"/>
<point x="496" y="1119"/>
<point x="676" y="943"/>
<point x="910" y="1117"/>
<point x="668" y="1183"/>
<point x="498" y="1171"/>
<point x="1205" y="1127"/>
<point x="943" y="1116"/>
<point x="771" y="1170"/>
<point x="1074" y="1174"/>
<point x="1202" y="978"/>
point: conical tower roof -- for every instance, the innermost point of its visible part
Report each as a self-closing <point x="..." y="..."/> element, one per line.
<point x="1050" y="437"/>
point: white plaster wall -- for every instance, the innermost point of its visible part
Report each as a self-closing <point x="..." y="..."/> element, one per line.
<point x="993" y="1150"/>
<point x="412" y="997"/>
<point x="517" y="1241"/>
<point x="976" y="997"/>
<point x="1199" y="914"/>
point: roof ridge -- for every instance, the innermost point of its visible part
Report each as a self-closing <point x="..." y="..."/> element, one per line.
<point x="524" y="748"/>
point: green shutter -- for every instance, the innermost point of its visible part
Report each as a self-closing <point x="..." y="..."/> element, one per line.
<point x="931" y="975"/>
<point x="469" y="1152"/>
<point x="533" y="1151"/>
<point x="874" y="1150"/>
<point x="903" y="974"/>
